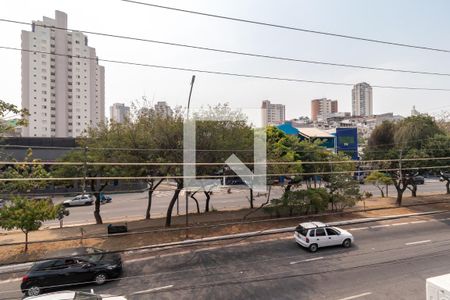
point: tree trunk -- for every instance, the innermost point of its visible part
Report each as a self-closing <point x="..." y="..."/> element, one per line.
<point x="399" y="197"/>
<point x="251" y="198"/>
<point x="208" y="197"/>
<point x="149" y="203"/>
<point x="172" y="203"/>
<point x="196" y="202"/>
<point x="98" y="217"/>
<point x="26" y="241"/>
<point x="381" y="190"/>
<point x="414" y="191"/>
<point x="447" y="185"/>
<point x="151" y="189"/>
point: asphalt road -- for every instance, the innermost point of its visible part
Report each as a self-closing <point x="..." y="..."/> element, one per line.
<point x="132" y="206"/>
<point x="389" y="260"/>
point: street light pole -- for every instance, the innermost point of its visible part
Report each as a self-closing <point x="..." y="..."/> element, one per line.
<point x="186" y="191"/>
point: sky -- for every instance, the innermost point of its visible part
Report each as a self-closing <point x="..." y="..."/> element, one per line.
<point x="406" y="21"/>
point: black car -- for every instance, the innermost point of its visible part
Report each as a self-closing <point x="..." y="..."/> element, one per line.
<point x="419" y="179"/>
<point x="83" y="265"/>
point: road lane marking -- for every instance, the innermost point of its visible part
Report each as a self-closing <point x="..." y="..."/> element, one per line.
<point x="358" y="228"/>
<point x="380" y="226"/>
<point x="400" y="224"/>
<point x="357" y="296"/>
<point x="305" y="260"/>
<point x="418" y="242"/>
<point x="417" y="222"/>
<point x="153" y="290"/>
<point x="10" y="280"/>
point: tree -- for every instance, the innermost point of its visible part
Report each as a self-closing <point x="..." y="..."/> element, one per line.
<point x="27" y="215"/>
<point x="439" y="147"/>
<point x="342" y="188"/>
<point x="27" y="171"/>
<point x="97" y="147"/>
<point x="7" y="111"/>
<point x="379" y="179"/>
<point x="396" y="141"/>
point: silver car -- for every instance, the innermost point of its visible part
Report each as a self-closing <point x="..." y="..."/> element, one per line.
<point x="79" y="200"/>
<point x="315" y="235"/>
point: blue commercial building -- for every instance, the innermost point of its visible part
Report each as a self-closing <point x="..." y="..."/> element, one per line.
<point x="341" y="140"/>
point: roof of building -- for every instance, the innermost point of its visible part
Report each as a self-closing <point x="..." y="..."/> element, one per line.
<point x="314" y="132"/>
<point x="287" y="128"/>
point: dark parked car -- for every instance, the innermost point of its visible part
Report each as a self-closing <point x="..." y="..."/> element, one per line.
<point x="419" y="179"/>
<point x="83" y="265"/>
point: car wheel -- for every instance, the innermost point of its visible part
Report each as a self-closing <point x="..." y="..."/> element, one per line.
<point x="346" y="243"/>
<point x="100" y="278"/>
<point x="33" y="290"/>
<point x="87" y="203"/>
<point x="313" y="247"/>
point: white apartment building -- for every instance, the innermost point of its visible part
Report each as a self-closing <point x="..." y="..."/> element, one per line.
<point x="362" y="100"/>
<point x="118" y="112"/>
<point x="63" y="86"/>
<point x="162" y="108"/>
<point x="273" y="114"/>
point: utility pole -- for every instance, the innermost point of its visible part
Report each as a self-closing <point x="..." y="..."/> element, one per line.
<point x="85" y="169"/>
<point x="400" y="166"/>
<point x="186" y="191"/>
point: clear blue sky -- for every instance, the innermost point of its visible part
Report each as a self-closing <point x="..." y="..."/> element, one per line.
<point x="407" y="21"/>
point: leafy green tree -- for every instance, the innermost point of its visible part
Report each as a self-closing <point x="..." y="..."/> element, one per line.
<point x="26" y="215"/>
<point x="7" y="111"/>
<point x="439" y="147"/>
<point x="98" y="147"/>
<point x="342" y="188"/>
<point x="396" y="141"/>
<point x="31" y="168"/>
<point x="380" y="180"/>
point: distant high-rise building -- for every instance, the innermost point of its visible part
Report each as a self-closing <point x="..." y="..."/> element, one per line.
<point x="162" y="108"/>
<point x="322" y="108"/>
<point x="119" y="112"/>
<point x="414" y="111"/>
<point x="63" y="85"/>
<point x="362" y="100"/>
<point x="273" y="114"/>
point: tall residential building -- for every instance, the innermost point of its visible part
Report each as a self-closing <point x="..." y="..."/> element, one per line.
<point x="162" y="108"/>
<point x="322" y="108"/>
<point x="273" y="114"/>
<point x="118" y="112"/>
<point x="63" y="86"/>
<point x="362" y="100"/>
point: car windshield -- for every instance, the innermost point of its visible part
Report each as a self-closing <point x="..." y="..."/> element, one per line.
<point x="94" y="255"/>
<point x="86" y="296"/>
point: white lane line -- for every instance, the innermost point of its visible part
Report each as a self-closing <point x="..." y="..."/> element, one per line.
<point x="10" y="280"/>
<point x="305" y="260"/>
<point x="380" y="226"/>
<point x="443" y="219"/>
<point x="400" y="224"/>
<point x="153" y="290"/>
<point x="358" y="228"/>
<point x="417" y="222"/>
<point x="357" y="296"/>
<point x="418" y="242"/>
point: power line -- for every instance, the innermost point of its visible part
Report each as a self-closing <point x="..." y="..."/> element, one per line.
<point x="234" y="52"/>
<point x="345" y="36"/>
<point x="241" y="75"/>
<point x="219" y="176"/>
<point x="69" y="163"/>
